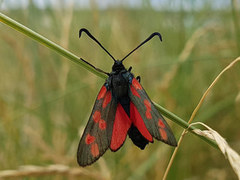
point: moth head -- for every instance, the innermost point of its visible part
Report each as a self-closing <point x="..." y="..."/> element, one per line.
<point x="117" y="66"/>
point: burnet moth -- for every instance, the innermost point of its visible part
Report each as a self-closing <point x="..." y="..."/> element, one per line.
<point x="122" y="107"/>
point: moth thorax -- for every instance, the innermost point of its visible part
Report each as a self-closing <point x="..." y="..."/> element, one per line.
<point x="120" y="85"/>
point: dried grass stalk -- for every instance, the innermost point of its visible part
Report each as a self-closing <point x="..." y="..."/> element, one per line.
<point x="55" y="169"/>
<point x="232" y="156"/>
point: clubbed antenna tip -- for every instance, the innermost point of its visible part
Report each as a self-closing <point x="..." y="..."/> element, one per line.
<point x="149" y="38"/>
<point x="93" y="38"/>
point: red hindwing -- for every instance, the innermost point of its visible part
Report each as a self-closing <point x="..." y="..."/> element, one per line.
<point x="120" y="128"/>
<point x="138" y="122"/>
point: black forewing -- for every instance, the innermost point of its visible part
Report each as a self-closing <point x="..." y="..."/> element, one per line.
<point x="98" y="132"/>
<point x="154" y="122"/>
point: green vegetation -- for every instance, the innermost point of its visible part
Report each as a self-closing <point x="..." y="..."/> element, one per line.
<point x="45" y="100"/>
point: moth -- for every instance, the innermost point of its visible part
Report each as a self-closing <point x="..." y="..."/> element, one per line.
<point x="122" y="108"/>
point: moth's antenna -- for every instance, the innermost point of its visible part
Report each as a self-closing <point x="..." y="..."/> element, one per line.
<point x="93" y="38"/>
<point x="149" y="38"/>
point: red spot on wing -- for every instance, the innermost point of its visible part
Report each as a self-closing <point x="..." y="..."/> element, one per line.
<point x="102" y="93"/>
<point x="107" y="99"/>
<point x="102" y="124"/>
<point x="148" y="114"/>
<point x="163" y="134"/>
<point x="94" y="150"/>
<point x="161" y="124"/>
<point x="97" y="116"/>
<point x="148" y="109"/>
<point x="136" y="84"/>
<point x="134" y="91"/>
<point x="120" y="128"/>
<point x="97" y="119"/>
<point x="139" y="123"/>
<point x="89" y="139"/>
<point x="147" y="104"/>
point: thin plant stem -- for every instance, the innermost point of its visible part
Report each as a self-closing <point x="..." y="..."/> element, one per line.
<point x="195" y="112"/>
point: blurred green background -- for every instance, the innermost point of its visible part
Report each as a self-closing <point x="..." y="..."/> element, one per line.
<point x="45" y="100"/>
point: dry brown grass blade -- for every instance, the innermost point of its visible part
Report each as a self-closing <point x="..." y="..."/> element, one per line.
<point x="195" y="112"/>
<point x="55" y="169"/>
<point x="232" y="156"/>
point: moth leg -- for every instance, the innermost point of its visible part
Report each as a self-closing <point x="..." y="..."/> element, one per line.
<point x="130" y="68"/>
<point x="97" y="69"/>
<point x="138" y="78"/>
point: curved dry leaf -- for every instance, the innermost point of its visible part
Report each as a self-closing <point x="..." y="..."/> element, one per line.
<point x="232" y="156"/>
